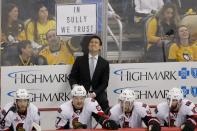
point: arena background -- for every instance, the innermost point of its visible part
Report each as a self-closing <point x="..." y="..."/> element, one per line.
<point x="124" y="46"/>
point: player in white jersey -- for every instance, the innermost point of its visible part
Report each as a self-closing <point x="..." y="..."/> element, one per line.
<point x="20" y="115"/>
<point x="176" y="111"/>
<point x="77" y="112"/>
<point x="130" y="114"/>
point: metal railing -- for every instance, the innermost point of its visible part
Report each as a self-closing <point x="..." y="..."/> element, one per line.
<point x="117" y="41"/>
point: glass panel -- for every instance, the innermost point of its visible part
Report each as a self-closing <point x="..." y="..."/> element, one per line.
<point x="150" y="30"/>
<point x="25" y="24"/>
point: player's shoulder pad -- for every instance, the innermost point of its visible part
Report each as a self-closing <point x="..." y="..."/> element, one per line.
<point x="33" y="108"/>
<point x="162" y="106"/>
<point x="7" y="106"/>
<point x="187" y="103"/>
<point x="139" y="105"/>
<point x="90" y="101"/>
<point x="66" y="107"/>
<point x="144" y="105"/>
<point x="116" y="110"/>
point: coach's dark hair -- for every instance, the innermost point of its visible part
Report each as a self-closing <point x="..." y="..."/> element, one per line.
<point x="96" y="37"/>
<point x="23" y="45"/>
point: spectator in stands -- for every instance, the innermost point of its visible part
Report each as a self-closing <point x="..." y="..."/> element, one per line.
<point x="39" y="25"/>
<point x="184" y="6"/>
<point x="56" y="52"/>
<point x="25" y="57"/>
<point x="160" y="30"/>
<point x="183" y="49"/>
<point x="26" y="7"/>
<point x="143" y="8"/>
<point x="12" y="27"/>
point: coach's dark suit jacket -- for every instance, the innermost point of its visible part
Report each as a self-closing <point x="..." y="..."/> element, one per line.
<point x="80" y="74"/>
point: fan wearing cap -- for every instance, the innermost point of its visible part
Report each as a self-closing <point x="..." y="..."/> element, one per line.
<point x="20" y="115"/>
<point x="77" y="112"/>
<point x="130" y="114"/>
<point x="176" y="111"/>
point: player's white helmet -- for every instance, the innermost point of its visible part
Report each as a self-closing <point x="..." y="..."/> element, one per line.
<point x="78" y="91"/>
<point x="127" y="95"/>
<point x="22" y="94"/>
<point x="175" y="94"/>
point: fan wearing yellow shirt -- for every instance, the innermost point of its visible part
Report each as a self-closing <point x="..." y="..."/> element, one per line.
<point x="12" y="27"/>
<point x="38" y="27"/>
<point x="160" y="31"/>
<point x="56" y="52"/>
<point x="183" y="50"/>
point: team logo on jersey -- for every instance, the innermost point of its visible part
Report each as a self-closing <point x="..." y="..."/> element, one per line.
<point x="16" y="119"/>
<point x="187" y="57"/>
<point x="194" y="72"/>
<point x="122" y="119"/>
<point x="98" y="108"/>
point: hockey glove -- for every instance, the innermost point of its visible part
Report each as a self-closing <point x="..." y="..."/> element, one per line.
<point x="79" y="125"/>
<point x="188" y="126"/>
<point x="110" y="124"/>
<point x="155" y="127"/>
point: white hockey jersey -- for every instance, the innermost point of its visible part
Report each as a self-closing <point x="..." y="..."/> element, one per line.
<point x="162" y="112"/>
<point x="140" y="110"/>
<point x="67" y="114"/>
<point x="20" y="121"/>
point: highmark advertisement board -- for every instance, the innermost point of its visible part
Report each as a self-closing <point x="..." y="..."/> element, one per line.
<point x="49" y="86"/>
<point x="152" y="81"/>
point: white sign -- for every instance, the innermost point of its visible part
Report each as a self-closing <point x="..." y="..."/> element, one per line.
<point x="76" y="19"/>
<point x="48" y="85"/>
<point x="152" y="81"/>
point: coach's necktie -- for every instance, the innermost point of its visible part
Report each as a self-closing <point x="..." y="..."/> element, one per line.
<point x="91" y="66"/>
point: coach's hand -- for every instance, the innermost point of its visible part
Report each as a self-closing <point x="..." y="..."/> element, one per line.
<point x="110" y="124"/>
